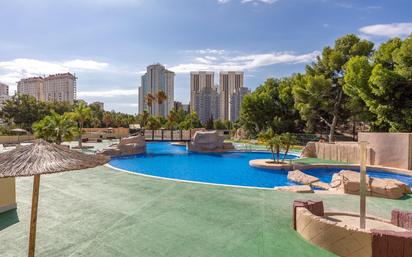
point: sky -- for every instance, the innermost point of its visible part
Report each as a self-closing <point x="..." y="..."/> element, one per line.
<point x="109" y="43"/>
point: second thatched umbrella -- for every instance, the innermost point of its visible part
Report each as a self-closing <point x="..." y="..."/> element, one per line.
<point x="43" y="158"/>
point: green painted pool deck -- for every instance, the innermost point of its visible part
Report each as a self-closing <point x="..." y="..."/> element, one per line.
<point x="103" y="212"/>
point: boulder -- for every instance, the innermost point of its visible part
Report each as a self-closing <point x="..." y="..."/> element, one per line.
<point x="310" y="150"/>
<point x="321" y="185"/>
<point x="208" y="141"/>
<point x="301" y="178"/>
<point x="127" y="146"/>
<point x="241" y="134"/>
<point x="296" y="189"/>
<point x="348" y="182"/>
<point x="388" y="188"/>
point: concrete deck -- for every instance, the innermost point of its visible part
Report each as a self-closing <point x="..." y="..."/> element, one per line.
<point x="103" y="212"/>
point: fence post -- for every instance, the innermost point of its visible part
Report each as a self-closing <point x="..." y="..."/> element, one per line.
<point x="162" y="133"/>
<point x="171" y="135"/>
<point x="152" y="134"/>
<point x="181" y="135"/>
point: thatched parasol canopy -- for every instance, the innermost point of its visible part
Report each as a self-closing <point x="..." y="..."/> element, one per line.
<point x="45" y="158"/>
<point x="19" y="130"/>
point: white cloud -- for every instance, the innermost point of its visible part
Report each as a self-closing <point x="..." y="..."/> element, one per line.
<point x="249" y="1"/>
<point x="85" y="65"/>
<point x="259" y="1"/>
<point x="243" y="62"/>
<point x="13" y="70"/>
<point x="108" y="93"/>
<point x="388" y="30"/>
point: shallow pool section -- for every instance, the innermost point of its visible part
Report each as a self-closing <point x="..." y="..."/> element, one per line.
<point x="230" y="168"/>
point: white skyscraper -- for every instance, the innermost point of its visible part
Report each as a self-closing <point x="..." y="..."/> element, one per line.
<point x="204" y="97"/>
<point x="4" y="94"/>
<point x="231" y="94"/>
<point x="157" y="78"/>
<point x="4" y="89"/>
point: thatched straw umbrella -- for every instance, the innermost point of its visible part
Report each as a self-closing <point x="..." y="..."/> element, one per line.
<point x="43" y="158"/>
<point x="18" y="131"/>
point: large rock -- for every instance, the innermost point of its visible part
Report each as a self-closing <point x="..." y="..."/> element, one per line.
<point x="296" y="189"/>
<point x="301" y="178"/>
<point x="310" y="150"/>
<point x="348" y="182"/>
<point x="241" y="134"/>
<point x="127" y="146"/>
<point x="208" y="141"/>
<point x="388" y="188"/>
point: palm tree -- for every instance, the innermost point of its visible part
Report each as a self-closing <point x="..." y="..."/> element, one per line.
<point x="161" y="97"/>
<point x="149" y="100"/>
<point x="107" y="119"/>
<point x="55" y="128"/>
<point x="273" y="143"/>
<point x="81" y="114"/>
<point x="287" y="141"/>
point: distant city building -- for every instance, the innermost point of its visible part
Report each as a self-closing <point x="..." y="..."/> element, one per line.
<point x="60" y="88"/>
<point x="4" y="89"/>
<point x="32" y="86"/>
<point x="230" y="83"/>
<point x="236" y="102"/>
<point x="100" y="104"/>
<point x="177" y="105"/>
<point x="204" y="97"/>
<point x="186" y="107"/>
<point x="3" y="98"/>
<point x="57" y="87"/>
<point x="157" y="78"/>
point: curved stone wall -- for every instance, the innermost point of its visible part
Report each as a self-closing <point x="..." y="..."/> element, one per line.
<point x="341" y="240"/>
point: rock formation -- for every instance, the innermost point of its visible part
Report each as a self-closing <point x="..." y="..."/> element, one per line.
<point x="348" y="182"/>
<point x="301" y="178"/>
<point x="127" y="146"/>
<point x="209" y="141"/>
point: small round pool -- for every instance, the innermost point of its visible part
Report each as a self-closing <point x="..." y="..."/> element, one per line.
<point x="230" y="168"/>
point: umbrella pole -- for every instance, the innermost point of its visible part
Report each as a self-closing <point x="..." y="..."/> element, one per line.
<point x="362" y="184"/>
<point x="33" y="220"/>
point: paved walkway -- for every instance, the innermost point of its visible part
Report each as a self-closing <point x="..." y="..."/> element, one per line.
<point x="102" y="212"/>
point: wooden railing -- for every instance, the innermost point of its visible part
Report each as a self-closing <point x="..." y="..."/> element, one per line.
<point x="167" y="135"/>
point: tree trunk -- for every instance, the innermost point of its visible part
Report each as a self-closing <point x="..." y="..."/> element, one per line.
<point x="277" y="154"/>
<point x="332" y="126"/>
<point x="80" y="136"/>
<point x="286" y="152"/>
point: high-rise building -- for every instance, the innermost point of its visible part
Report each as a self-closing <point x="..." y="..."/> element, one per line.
<point x="236" y="102"/>
<point x="57" y="87"/>
<point x="32" y="86"/>
<point x="229" y="82"/>
<point x="100" y="104"/>
<point x="156" y="79"/>
<point x="4" y="89"/>
<point x="204" y="97"/>
<point x="60" y="88"/>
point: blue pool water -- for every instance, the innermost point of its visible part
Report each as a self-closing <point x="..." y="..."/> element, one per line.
<point x="168" y="161"/>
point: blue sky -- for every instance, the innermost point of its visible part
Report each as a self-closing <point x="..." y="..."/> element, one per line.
<point x="108" y="43"/>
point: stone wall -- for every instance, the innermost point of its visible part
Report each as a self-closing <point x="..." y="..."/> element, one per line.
<point x="7" y="194"/>
<point x="339" y="151"/>
<point x="384" y="149"/>
<point x="389" y="149"/>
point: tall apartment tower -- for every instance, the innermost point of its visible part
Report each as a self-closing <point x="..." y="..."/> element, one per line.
<point x="157" y="78"/>
<point x="230" y="82"/>
<point x="53" y="88"/>
<point x="204" y="97"/>
<point x="32" y="86"/>
<point x="4" y="95"/>
<point x="236" y="102"/>
<point x="60" y="88"/>
<point x="4" y="89"/>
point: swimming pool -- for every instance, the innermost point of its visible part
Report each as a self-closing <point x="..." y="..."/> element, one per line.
<point x="231" y="168"/>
